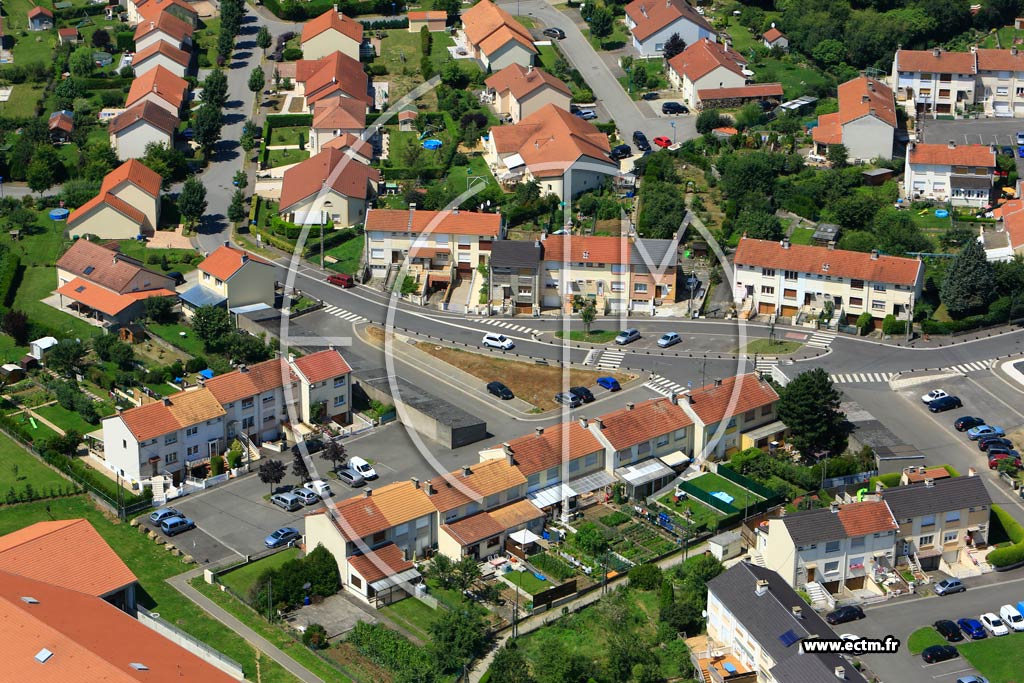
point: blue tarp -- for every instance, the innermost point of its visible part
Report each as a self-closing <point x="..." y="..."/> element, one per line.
<point x="197" y="296"/>
<point x="206" y="374"/>
<point x="724" y="497"/>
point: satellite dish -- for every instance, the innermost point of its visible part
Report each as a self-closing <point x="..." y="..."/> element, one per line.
<point x="704" y="613"/>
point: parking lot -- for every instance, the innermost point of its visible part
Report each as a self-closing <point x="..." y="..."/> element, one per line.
<point x="999" y="132"/>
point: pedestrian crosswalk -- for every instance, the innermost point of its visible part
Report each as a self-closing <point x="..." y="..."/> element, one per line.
<point x="664" y="385"/>
<point x="592" y="356"/>
<point x="862" y="377"/>
<point x="821" y="339"/>
<point x="610" y="359"/>
<point x="343" y="314"/>
<point x="510" y="326"/>
<point x="765" y="364"/>
<point x="976" y="366"/>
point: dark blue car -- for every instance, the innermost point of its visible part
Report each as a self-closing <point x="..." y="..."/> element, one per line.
<point x="973" y="628"/>
<point x="609" y="383"/>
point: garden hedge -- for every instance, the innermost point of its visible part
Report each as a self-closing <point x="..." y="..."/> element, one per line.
<point x="10" y="267"/>
<point x="1010" y="555"/>
<point x="286" y="120"/>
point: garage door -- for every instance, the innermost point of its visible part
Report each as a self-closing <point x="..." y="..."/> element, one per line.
<point x="552" y="301"/>
<point x="616" y="305"/>
<point x="765" y="309"/>
<point x="789" y="311"/>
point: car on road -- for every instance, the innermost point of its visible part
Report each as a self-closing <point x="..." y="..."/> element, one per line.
<point x="556" y="33"/>
<point x="995" y="460"/>
<point x="1012" y="617"/>
<point x="160" y="515"/>
<point x="313" y="445"/>
<point x="172" y="526"/>
<point x="341" y="280"/>
<point x="498" y="341"/>
<point x="351" y="479"/>
<point x="286" y="501"/>
<point x="1007" y="150"/>
<point x="640" y="141"/>
<point x="668" y="339"/>
<point x="622" y="151"/>
<point x="674" y="108"/>
<point x="583" y="393"/>
<point x="587" y="114"/>
<point x="286" y="535"/>
<point x="932" y="395"/>
<point x="649" y="96"/>
<point x="500" y="390"/>
<point x="362" y="468"/>
<point x="626" y="336"/>
<point x="949" y="630"/>
<point x="845" y="614"/>
<point x="966" y="422"/>
<point x="972" y="628"/>
<point x="949" y="586"/>
<point x="609" y="383"/>
<point x="975" y="433"/>
<point x="320" y="487"/>
<point x="938" y="653"/>
<point x="987" y="442"/>
<point x="945" y="403"/>
<point x="307" y="496"/>
<point x="994" y="625"/>
<point x="567" y="398"/>
<point x="662" y="141"/>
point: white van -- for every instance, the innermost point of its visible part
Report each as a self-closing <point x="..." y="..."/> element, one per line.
<point x="1011" y="617"/>
<point x="363" y="468"/>
<point x="319" y="487"/>
<point x="498" y="341"/>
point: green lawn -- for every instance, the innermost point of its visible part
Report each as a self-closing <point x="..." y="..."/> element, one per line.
<point x="413" y="615"/>
<point x="179" y="260"/>
<point x="802" y="236"/>
<point x="172" y="333"/>
<point x="206" y="40"/>
<point x="656" y="79"/>
<point x="796" y="80"/>
<point x="39" y="433"/>
<point x="923" y="637"/>
<point x="767" y="347"/>
<point x="152" y="564"/>
<point x="700" y="514"/>
<point x="163" y="388"/>
<point x="1007" y="36"/>
<point x="37" y="46"/>
<point x="38" y="283"/>
<point x="595" y="336"/>
<point x="927" y="220"/>
<point x="1000" y="660"/>
<point x="66" y="419"/>
<point x="618" y="38"/>
<point x="283" y="157"/>
<point x="19" y="468"/>
<point x="547" y="56"/>
<point x="290" y="135"/>
<point x="348" y="255"/>
<point x="23" y="101"/>
<point x="242" y="579"/>
<point x="528" y="582"/>
<point x="9" y="351"/>
<point x="711" y="483"/>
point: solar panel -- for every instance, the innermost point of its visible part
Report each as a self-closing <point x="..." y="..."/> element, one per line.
<point x="789" y="637"/>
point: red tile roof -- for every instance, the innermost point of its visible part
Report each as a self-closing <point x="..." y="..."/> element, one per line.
<point x="322" y="365"/>
<point x="522" y="81"/>
<point x="114" y="202"/>
<point x="363" y="149"/>
<point x="1013" y="223"/>
<point x="586" y="249"/>
<point x="252" y="381"/>
<point x="106" y="266"/>
<point x="773" y="34"/>
<point x="475" y="528"/>
<point x="1000" y="60"/>
<point x="330" y="168"/>
<point x="712" y="404"/>
<point x="161" y="47"/>
<point x="364" y="515"/>
<point x="485" y="479"/>
<point x="60" y="120"/>
<point x="437" y="222"/>
<point x="339" y="113"/>
<point x="39" y="10"/>
<point x="645" y="421"/>
<point x="332" y="19"/>
<point x="136" y="173"/>
<point x="944" y="155"/>
<point x="379" y="564"/>
<point x="866" y="517"/>
<point x="866" y="96"/>
<point x="335" y="74"/>
<point x="935" y="61"/>
<point x="68" y="553"/>
<point x="158" y="80"/>
<point x="550" y="140"/>
<point x="67" y="32"/>
<point x="225" y="261"/>
<point x="703" y="57"/>
<point x="104" y="300"/>
<point x="650" y="16"/>
<point x="754" y="90"/>
<point x="841" y="263"/>
<point x="516" y="514"/>
<point x="913" y="476"/>
<point x="150" y="112"/>
<point x="490" y="28"/>
<point x="166" y="23"/>
<point x="563" y="441"/>
<point x="428" y="16"/>
<point x="829" y="130"/>
<point x="178" y="411"/>
<point x="148" y="8"/>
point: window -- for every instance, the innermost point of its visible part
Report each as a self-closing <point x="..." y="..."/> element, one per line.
<point x="206" y="277"/>
<point x="831" y="567"/>
<point x="878" y="288"/>
<point x="768" y="272"/>
<point x="192" y="450"/>
<point x="268" y="399"/>
<point x="171" y="438"/>
<point x="402" y="529"/>
<point x="791" y="275"/>
<point x="248" y="422"/>
<point x="953" y="516"/>
<point x="640" y="287"/>
<point x="926" y="541"/>
<point x="767" y="290"/>
<point x="492" y="500"/>
<point x="377" y="254"/>
<point x="662" y="440"/>
<point x="268" y="418"/>
<point x="950" y="537"/>
<point x="856" y="301"/>
<point x="878" y="305"/>
<point x="832" y="546"/>
<point x="590" y="460"/>
<point x="124" y="443"/>
<point x="680" y="434"/>
<point x="552" y="474"/>
<point x="339" y="381"/>
<point x="574" y="465"/>
<point x="355" y="581"/>
<point x="643" y="448"/>
<point x="618" y="268"/>
<point x="171" y="457"/>
<point x="659" y="47"/>
<point x="789" y="293"/>
<point x="220" y="282"/>
<point x="858" y="543"/>
<point x="247" y="404"/>
<point x="533" y="480"/>
<point x="928" y="520"/>
<point x="493" y="542"/>
<point x="766" y="410"/>
<point x="618" y="287"/>
<point x="857" y="284"/>
<point x="379" y="537"/>
<point x="339" y="401"/>
<point x="749" y="415"/>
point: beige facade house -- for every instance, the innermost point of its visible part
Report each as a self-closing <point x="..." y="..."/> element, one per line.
<point x="653" y="22"/>
<point x="162" y="54"/>
<point x="960" y="174"/>
<point x="334" y="117"/>
<point x="934" y="82"/>
<point x="161" y="87"/>
<point x="331" y="32"/>
<point x="325" y="392"/>
<point x="564" y="153"/>
<point x="706" y="65"/>
<point x="589" y="267"/>
<point x="865" y="123"/>
<point x="140" y="10"/>
<point x="336" y="75"/>
<point x="518" y="91"/>
<point x="495" y="38"/>
<point x="329" y="188"/>
<point x="1001" y="81"/>
<point x="353" y="146"/>
<point x="128" y="205"/>
<point x="752" y="421"/>
<point x="163" y="26"/>
<point x="789" y="280"/>
<point x="134" y="129"/>
<point x="434" y="20"/>
<point x="232" y="278"/>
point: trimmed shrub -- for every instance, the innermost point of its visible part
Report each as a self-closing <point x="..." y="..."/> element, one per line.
<point x="645" y="577"/>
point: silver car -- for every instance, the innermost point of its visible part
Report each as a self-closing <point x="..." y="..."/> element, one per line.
<point x="627" y="336"/>
<point x="350" y="478"/>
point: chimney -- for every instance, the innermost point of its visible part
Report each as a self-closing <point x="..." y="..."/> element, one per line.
<point x="529" y="69"/>
<point x="929" y="483"/>
<point x="833" y="506"/>
<point x="718" y="381"/>
<point x="689" y="397"/>
<point x="510" y="458"/>
<point x="539" y="431"/>
<point x="831" y="245"/>
<point x="643" y="11"/>
<point x="245" y="258"/>
<point x="156" y="90"/>
<point x="335" y="7"/>
<point x="466" y="471"/>
<point x="291" y="357"/>
<point x="874" y="254"/>
<point x="243" y="368"/>
<point x="367" y="492"/>
<point x="762" y="587"/>
<point x="798" y="611"/>
<point x="599" y="423"/>
<point x="971" y="472"/>
<point x="840" y="672"/>
<point x="227" y="243"/>
<point x="429" y="487"/>
<point x="415" y="482"/>
<point x="864" y="99"/>
<point x="879" y="487"/>
<point x="674" y="397"/>
<point x="952" y="144"/>
<point x="167" y="401"/>
<point x="785" y="244"/>
<point x="936" y="52"/>
<point x="506" y="448"/>
<point x="583" y="422"/>
<point x="630" y="406"/>
<point x="1013" y="51"/>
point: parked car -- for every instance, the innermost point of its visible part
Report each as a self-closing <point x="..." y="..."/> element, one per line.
<point x="949" y="630"/>
<point x="1012" y="617"/>
<point x="994" y="625"/>
<point x="1020" y="137"/>
<point x="341" y="280"/>
<point x="987" y="442"/>
<point x="972" y="679"/>
<point x="351" y="479"/>
<point x="966" y="422"/>
<point x="566" y="398"/>
<point x="994" y="460"/>
<point x="640" y="141"/>
<point x="975" y="433"/>
<point x="286" y="501"/>
<point x="286" y="535"/>
<point x="1020" y="151"/>
<point x="972" y="628"/>
<point x="307" y="496"/>
<point x="938" y="653"/>
<point x="649" y="96"/>
<point x="674" y="108"/>
<point x="662" y="141"/>
<point x="626" y="336"/>
<point x="556" y="33"/>
<point x="932" y="395"/>
<point x="320" y="487"/>
<point x="178" y="278"/>
<point x="362" y="468"/>
<point x="500" y="390"/>
<point x="587" y="114"/>
<point x="1007" y="150"/>
<point x="498" y="341"/>
<point x="160" y="515"/>
<point x="583" y="393"/>
<point x="668" y="339"/>
<point x="609" y="383"/>
<point x="313" y="445"/>
<point x="172" y="526"/>
<point x="949" y="586"/>
<point x="845" y="614"/>
<point x="994" y="450"/>
<point x="622" y="151"/>
<point x="945" y="403"/>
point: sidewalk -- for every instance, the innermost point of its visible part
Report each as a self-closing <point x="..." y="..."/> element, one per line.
<point x="181" y="584"/>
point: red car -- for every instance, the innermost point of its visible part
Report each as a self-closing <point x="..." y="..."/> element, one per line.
<point x="341" y="280"/>
<point x="662" y="141"/>
<point x="993" y="462"/>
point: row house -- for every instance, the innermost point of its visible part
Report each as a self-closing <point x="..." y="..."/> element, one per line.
<point x="653" y="22"/>
<point x="935" y="82"/>
<point x="963" y="175"/>
<point x="127" y="205"/>
<point x="140" y="10"/>
<point x="494" y="38"/>
<point x="164" y="26"/>
<point x="791" y="280"/>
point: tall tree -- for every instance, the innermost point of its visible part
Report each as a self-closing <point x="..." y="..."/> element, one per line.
<point x="215" y="89"/>
<point x="81" y="63"/>
<point x="100" y="39"/>
<point x="334" y="452"/>
<point x="263" y="40"/>
<point x="299" y="468"/>
<point x="45" y="169"/>
<point x="970" y="282"/>
<point x="257" y="79"/>
<point x="838" y="156"/>
<point x="66" y="356"/>
<point x="15" y="323"/>
<point x="192" y="201"/>
<point x="809" y="406"/>
<point x="236" y="211"/>
<point x="510" y="666"/>
<point x="587" y="315"/>
<point x="208" y="124"/>
<point x="458" y="636"/>
<point x="160" y="309"/>
<point x="674" y="45"/>
<point x="601" y="22"/>
<point x="211" y="323"/>
<point x="271" y="472"/>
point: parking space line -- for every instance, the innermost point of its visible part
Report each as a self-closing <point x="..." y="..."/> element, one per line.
<point x="952" y="673"/>
<point x="1011" y="408"/>
<point x="218" y="539"/>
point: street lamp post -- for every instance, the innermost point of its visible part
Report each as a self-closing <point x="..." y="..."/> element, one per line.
<point x="673" y="124"/>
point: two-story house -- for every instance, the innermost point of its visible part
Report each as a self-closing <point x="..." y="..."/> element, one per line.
<point x="331" y="32"/>
<point x="256" y="398"/>
<point x="334" y="117"/>
<point x="784" y="279"/>
<point x="652" y="273"/>
<point x="161" y="87"/>
<point x="865" y="123"/>
<point x="335" y="75"/>
<point x="494" y="38"/>
<point x="139" y="126"/>
<point x="325" y="392"/>
<point x="934" y="82"/>
<point x="329" y="188"/>
<point x="729" y="410"/>
<point x="940" y="521"/>
<point x="1001" y="81"/>
<point x="515" y="275"/>
<point x="653" y="22"/>
<point x="756" y="624"/>
<point x="232" y="278"/>
<point x="706" y="65"/>
<point x="166" y="27"/>
<point x="127" y="205"/>
<point x="160" y="53"/>
<point x="578" y="267"/>
<point x="834" y="548"/>
<point x="139" y="10"/>
<point x="960" y="174"/>
<point x="517" y="91"/>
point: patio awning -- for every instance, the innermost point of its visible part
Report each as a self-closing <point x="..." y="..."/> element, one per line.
<point x="390" y="581"/>
<point x="675" y="459"/>
<point x="514" y="161"/>
<point x="524" y="537"/>
<point x="549" y="495"/>
<point x="197" y="296"/>
<point x="593" y="481"/>
<point x="645" y="472"/>
<point x="766" y="431"/>
<point x="251" y="308"/>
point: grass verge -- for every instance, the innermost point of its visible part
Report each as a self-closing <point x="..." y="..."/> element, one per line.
<point x="19" y="468"/>
<point x="924" y="637"/>
<point x="242" y="579"/>
<point x="413" y="615"/>
<point x="767" y="347"/>
<point x="595" y="336"/>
